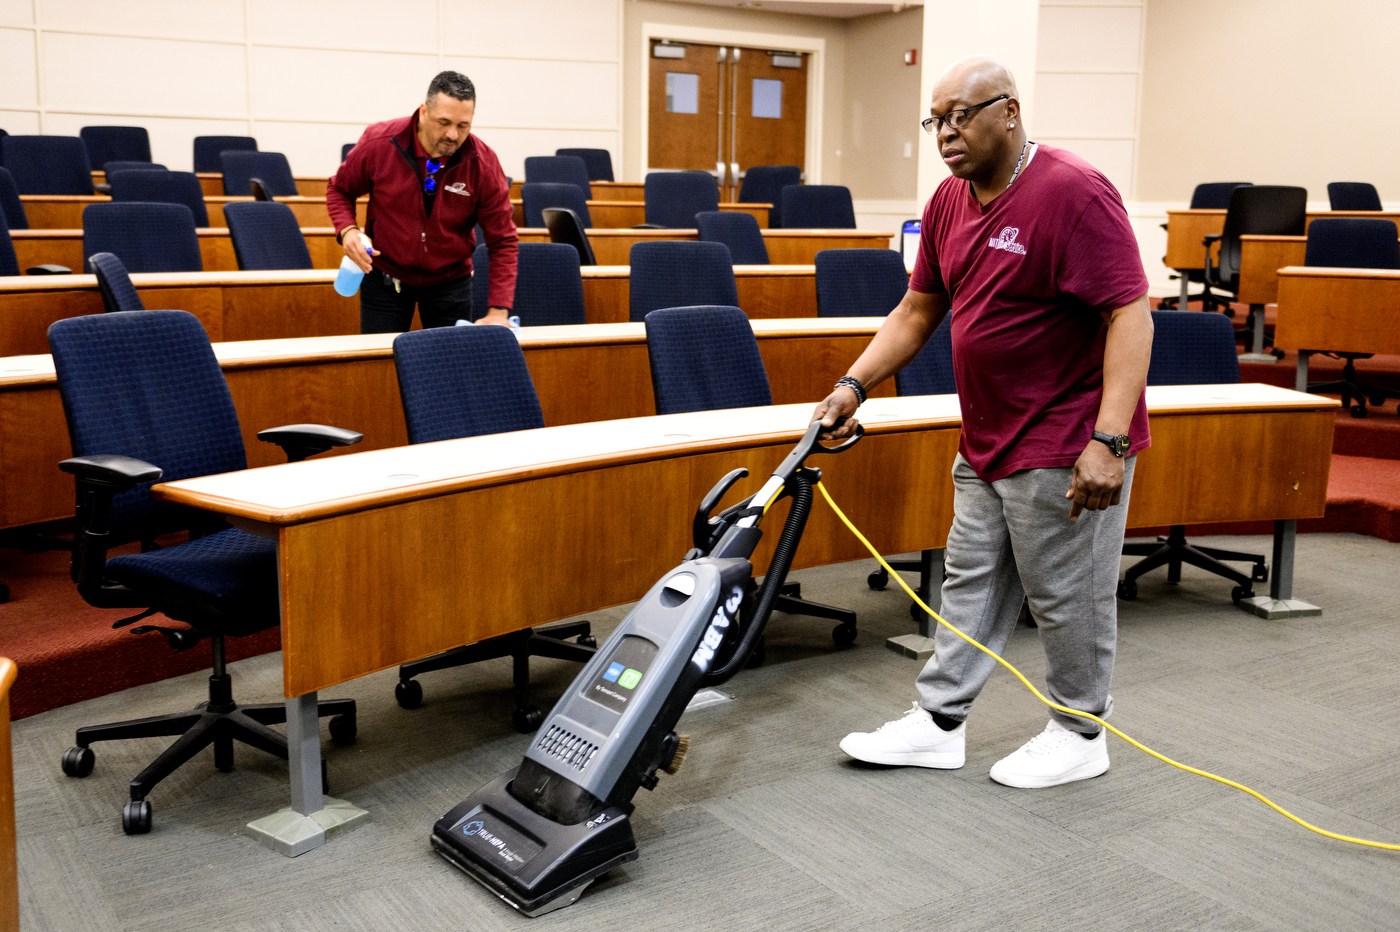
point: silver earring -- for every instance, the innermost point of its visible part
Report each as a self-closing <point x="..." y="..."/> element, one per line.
<point x="1010" y="125"/>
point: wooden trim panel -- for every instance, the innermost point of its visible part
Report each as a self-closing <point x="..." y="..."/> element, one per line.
<point x="1338" y="310"/>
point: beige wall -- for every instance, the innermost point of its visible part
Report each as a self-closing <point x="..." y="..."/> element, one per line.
<point x="1273" y="92"/>
<point x="308" y="75"/>
<point x="882" y="106"/>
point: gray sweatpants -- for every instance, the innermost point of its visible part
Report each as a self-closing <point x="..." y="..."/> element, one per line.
<point x="1012" y="538"/>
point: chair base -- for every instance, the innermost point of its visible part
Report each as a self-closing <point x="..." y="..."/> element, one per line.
<point x="790" y="601"/>
<point x="547" y="641"/>
<point x="219" y="721"/>
<point x="1174" y="550"/>
<point x="1350" y="388"/>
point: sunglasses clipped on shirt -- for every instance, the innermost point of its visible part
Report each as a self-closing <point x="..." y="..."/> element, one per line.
<point x="430" y="183"/>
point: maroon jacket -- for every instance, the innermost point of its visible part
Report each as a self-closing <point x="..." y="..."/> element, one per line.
<point x="415" y="248"/>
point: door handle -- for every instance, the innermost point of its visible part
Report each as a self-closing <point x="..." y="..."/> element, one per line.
<point x="734" y="173"/>
<point x="719" y="172"/>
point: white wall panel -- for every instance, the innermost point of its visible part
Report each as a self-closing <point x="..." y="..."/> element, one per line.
<point x="18" y="75"/>
<point x="1089" y="39"/>
<point x="560" y="29"/>
<point x="576" y="95"/>
<point x="20" y="122"/>
<point x="293" y="84"/>
<point x="16" y="12"/>
<point x="143" y="76"/>
<point x="312" y="148"/>
<point x="1085" y="105"/>
<point x="513" y="146"/>
<point x="1113" y="157"/>
<point x="406" y="26"/>
<point x="213" y="20"/>
<point x="172" y="140"/>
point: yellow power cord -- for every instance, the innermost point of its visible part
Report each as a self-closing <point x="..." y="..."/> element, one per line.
<point x="1093" y="718"/>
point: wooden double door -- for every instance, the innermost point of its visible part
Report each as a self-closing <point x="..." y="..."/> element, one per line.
<point x="723" y="109"/>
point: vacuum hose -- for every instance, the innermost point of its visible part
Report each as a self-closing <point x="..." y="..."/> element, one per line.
<point x="801" y="492"/>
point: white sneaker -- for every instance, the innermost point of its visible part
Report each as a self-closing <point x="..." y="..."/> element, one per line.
<point x="1056" y="755"/>
<point x="911" y="741"/>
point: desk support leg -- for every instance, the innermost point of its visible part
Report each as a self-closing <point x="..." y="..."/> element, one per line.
<point x="1279" y="603"/>
<point x="313" y="818"/>
<point x="920" y="646"/>
<point x="1300" y="382"/>
<point x="1256" y="311"/>
<point x="1185" y="294"/>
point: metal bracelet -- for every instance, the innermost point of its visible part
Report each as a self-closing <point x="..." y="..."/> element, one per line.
<point x="854" y="385"/>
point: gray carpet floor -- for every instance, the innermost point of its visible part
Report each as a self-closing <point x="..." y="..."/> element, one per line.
<point x="768" y="826"/>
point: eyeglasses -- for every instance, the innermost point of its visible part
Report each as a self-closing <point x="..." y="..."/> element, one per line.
<point x="957" y="119"/>
<point x="430" y="183"/>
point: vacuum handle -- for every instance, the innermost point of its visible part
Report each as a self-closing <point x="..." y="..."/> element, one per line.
<point x="701" y="530"/>
<point x="809" y="445"/>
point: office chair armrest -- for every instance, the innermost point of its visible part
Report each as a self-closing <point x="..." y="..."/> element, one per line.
<point x="299" y="441"/>
<point x="1162" y="225"/>
<point x="102" y="189"/>
<point x="48" y="269"/>
<point x="99" y="479"/>
<point x="651" y="226"/>
<point x="119" y="472"/>
<point x="1211" y="238"/>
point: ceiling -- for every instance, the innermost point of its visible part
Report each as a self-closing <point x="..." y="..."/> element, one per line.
<point x="836" y="9"/>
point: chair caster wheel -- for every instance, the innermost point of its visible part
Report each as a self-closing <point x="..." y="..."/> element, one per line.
<point x="844" y="634"/>
<point x="878" y="580"/>
<point x="1127" y="589"/>
<point x="527" y="719"/>
<point x="1240" y="593"/>
<point x="1260" y="573"/>
<point x="409" y="693"/>
<point x="917" y="613"/>
<point x="4" y="593"/>
<point x="1377" y="400"/>
<point x="136" y="817"/>
<point x="586" y="640"/>
<point x="1358" y="410"/>
<point x="78" y="762"/>
<point x="342" y="728"/>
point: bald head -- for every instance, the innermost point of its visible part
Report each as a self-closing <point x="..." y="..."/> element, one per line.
<point x="975" y="78"/>
<point x="977" y="123"/>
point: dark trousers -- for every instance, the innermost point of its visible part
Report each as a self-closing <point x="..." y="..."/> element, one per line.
<point x="384" y="310"/>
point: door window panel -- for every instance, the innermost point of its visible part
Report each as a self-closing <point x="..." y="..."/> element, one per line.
<point x="767" y="99"/>
<point x="683" y="92"/>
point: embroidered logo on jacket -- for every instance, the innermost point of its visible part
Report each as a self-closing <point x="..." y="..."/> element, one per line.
<point x="461" y="188"/>
<point x="1006" y="241"/>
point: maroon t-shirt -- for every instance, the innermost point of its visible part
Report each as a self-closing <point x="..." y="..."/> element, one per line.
<point x="1028" y="276"/>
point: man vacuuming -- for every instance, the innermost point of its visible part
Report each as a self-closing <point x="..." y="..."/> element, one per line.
<point x="1029" y="248"/>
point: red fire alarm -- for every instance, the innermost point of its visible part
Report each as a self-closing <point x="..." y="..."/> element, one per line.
<point x="911" y="57"/>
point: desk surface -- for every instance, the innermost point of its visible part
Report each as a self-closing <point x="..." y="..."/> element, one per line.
<point x="1187" y="228"/>
<point x="1338" y="310"/>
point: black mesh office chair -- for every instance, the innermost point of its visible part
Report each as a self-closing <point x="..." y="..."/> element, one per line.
<point x="1213" y="195"/>
<point x="466" y="382"/>
<point x="706" y="358"/>
<point x="1353" y="195"/>
<point x="567" y="227"/>
<point x="146" y="400"/>
<point x="1353" y="243"/>
<point x="1260" y="209"/>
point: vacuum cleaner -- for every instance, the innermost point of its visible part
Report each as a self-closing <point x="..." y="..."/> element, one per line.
<point x="538" y="835"/>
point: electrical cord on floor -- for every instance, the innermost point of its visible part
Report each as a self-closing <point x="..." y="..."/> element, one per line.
<point x="1085" y="715"/>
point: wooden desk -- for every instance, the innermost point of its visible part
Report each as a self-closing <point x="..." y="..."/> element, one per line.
<point x="1261" y="257"/>
<point x="9" y="867"/>
<point x="602" y="190"/>
<point x="619" y="214"/>
<point x="359" y="535"/>
<point x="65" y="212"/>
<point x="1337" y="310"/>
<point x="785" y="247"/>
<point x="277" y="305"/>
<point x="213" y="184"/>
<point x="65" y="247"/>
<point x="349" y="381"/>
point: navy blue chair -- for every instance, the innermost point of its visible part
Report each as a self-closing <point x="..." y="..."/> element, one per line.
<point x="10" y="204"/>
<point x="146" y="400"/>
<point x="118" y="293"/>
<point x="558" y="169"/>
<point x="1213" y="195"/>
<point x="1191" y="348"/>
<point x="548" y="285"/>
<point x="674" y="198"/>
<point x="466" y="382"/>
<point x="1353" y="195"/>
<point x="1353" y="243"/>
<point x="818" y="206"/>
<point x="859" y="282"/>
<point x="540" y="195"/>
<point x="207" y="150"/>
<point x="270" y="168"/>
<point x="598" y="161"/>
<point x="928" y="373"/>
<point x="158" y="186"/>
<point x="736" y="230"/>
<point x="146" y="237"/>
<point x="113" y="143"/>
<point x="763" y="184"/>
<point x="9" y="262"/>
<point x="680" y="273"/>
<point x="119" y="165"/>
<point x="47" y="164"/>
<point x="345" y="150"/>
<point x="705" y="359"/>
<point x="266" y="236"/>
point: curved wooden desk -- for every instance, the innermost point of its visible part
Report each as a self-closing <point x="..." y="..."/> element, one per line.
<point x="65" y="247"/>
<point x="9" y="867"/>
<point x="65" y="211"/>
<point x="785" y="247"/>
<point x="628" y="213"/>
<point x="586" y="373"/>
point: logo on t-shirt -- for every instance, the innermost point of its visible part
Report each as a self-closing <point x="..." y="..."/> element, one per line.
<point x="1006" y="241"/>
